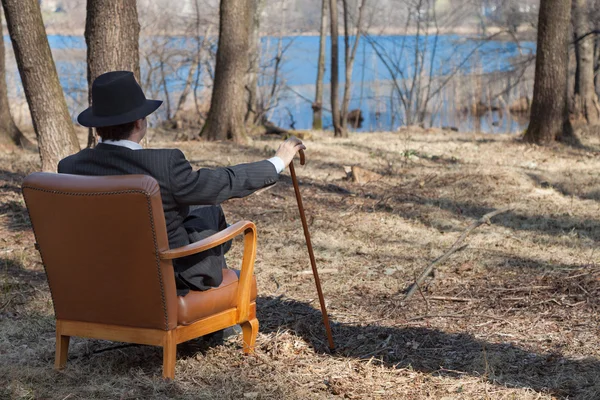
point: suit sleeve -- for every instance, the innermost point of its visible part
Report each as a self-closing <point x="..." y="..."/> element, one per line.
<point x="63" y="166"/>
<point x="214" y="186"/>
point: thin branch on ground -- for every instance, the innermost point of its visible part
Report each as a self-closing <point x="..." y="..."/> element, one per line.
<point x="455" y="247"/>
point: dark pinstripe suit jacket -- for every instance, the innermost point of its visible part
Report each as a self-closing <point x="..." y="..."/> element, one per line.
<point x="180" y="187"/>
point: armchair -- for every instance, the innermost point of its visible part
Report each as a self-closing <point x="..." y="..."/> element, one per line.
<point x="104" y="246"/>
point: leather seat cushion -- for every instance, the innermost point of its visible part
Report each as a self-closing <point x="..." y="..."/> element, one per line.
<point x="197" y="305"/>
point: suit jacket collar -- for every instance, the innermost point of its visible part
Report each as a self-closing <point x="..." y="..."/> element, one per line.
<point x="112" y="147"/>
<point x="124" y="143"/>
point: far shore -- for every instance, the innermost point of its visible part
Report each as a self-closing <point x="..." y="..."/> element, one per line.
<point x="524" y="34"/>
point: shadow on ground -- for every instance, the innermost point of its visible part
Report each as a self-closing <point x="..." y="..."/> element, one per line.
<point x="13" y="206"/>
<point x="19" y="287"/>
<point x="430" y="351"/>
<point x="563" y="187"/>
<point x="548" y="225"/>
<point x="17" y="215"/>
<point x="437" y="352"/>
<point x="394" y="200"/>
<point x="12" y="181"/>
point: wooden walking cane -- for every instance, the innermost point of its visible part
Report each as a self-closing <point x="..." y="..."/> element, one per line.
<point x="313" y="263"/>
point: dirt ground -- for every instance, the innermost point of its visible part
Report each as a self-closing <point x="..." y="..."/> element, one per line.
<point x="512" y="316"/>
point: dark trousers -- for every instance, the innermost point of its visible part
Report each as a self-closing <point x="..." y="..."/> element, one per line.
<point x="204" y="270"/>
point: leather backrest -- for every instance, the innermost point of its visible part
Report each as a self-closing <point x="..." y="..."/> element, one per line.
<point x="100" y="238"/>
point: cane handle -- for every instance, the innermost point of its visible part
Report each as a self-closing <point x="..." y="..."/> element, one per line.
<point x="302" y="158"/>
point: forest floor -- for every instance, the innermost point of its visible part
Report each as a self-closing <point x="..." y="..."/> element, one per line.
<point x="512" y="316"/>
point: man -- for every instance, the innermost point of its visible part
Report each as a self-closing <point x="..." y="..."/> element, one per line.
<point x="118" y="112"/>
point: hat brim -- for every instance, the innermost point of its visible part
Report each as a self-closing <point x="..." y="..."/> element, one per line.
<point x="88" y="119"/>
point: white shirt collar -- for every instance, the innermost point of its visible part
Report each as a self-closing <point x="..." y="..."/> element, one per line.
<point x="123" y="143"/>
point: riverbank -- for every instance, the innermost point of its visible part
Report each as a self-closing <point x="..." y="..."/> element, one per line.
<point x="514" y="315"/>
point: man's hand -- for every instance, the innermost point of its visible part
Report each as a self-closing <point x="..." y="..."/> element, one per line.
<point x="288" y="149"/>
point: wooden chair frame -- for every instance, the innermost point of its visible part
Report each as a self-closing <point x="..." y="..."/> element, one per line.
<point x="244" y="313"/>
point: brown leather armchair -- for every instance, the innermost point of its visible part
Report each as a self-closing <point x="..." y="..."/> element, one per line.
<point x="104" y="246"/>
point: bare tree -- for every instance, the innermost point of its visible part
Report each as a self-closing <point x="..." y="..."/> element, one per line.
<point x="335" y="66"/>
<point x="254" y="66"/>
<point x="51" y="120"/>
<point x="163" y="59"/>
<point x="349" y="56"/>
<point x="420" y="75"/>
<point x="270" y="74"/>
<point x="174" y="68"/>
<point x="112" y="35"/>
<point x="594" y="19"/>
<point x="549" y="109"/>
<point x="193" y="61"/>
<point x="193" y="78"/>
<point x="225" y="119"/>
<point x="318" y="103"/>
<point x="9" y="133"/>
<point x="585" y="102"/>
<point x="414" y="87"/>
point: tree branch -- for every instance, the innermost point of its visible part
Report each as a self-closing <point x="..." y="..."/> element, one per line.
<point x="580" y="38"/>
<point x="455" y="247"/>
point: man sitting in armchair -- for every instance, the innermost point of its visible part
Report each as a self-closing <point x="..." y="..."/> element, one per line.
<point x="191" y="198"/>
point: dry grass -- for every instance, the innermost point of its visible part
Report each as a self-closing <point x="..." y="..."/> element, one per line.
<point x="529" y="329"/>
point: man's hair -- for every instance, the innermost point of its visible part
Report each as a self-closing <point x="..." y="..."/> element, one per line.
<point x="116" y="132"/>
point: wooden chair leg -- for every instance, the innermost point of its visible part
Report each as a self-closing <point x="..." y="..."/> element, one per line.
<point x="250" y="330"/>
<point x="169" y="355"/>
<point x="62" y="348"/>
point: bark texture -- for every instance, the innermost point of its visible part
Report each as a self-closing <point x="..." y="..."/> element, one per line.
<point x="9" y="132"/>
<point x="335" y="67"/>
<point x="50" y="116"/>
<point x="254" y="62"/>
<point x="318" y="104"/>
<point x="112" y="34"/>
<point x="225" y="118"/>
<point x="585" y="101"/>
<point x="549" y="109"/>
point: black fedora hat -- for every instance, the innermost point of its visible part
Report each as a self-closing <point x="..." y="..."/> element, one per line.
<point x="117" y="99"/>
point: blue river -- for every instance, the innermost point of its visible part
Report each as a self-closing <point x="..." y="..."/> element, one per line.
<point x="378" y="60"/>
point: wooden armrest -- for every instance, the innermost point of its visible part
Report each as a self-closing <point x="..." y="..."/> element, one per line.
<point x="208" y="243"/>
<point x="245" y="280"/>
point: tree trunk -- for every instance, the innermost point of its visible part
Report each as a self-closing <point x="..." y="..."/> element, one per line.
<point x="350" y="55"/>
<point x="348" y="69"/>
<point x="225" y="118"/>
<point x="112" y="34"/>
<point x="254" y="65"/>
<point x="9" y="133"/>
<point x="163" y="83"/>
<point x="187" y="89"/>
<point x="318" y="104"/>
<point x="50" y="115"/>
<point x="549" y="109"/>
<point x="585" y="103"/>
<point x="596" y="61"/>
<point x="594" y="19"/>
<point x="335" y="111"/>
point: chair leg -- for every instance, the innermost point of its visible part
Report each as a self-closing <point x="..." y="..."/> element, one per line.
<point x="62" y="348"/>
<point x="169" y="355"/>
<point x="250" y="330"/>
